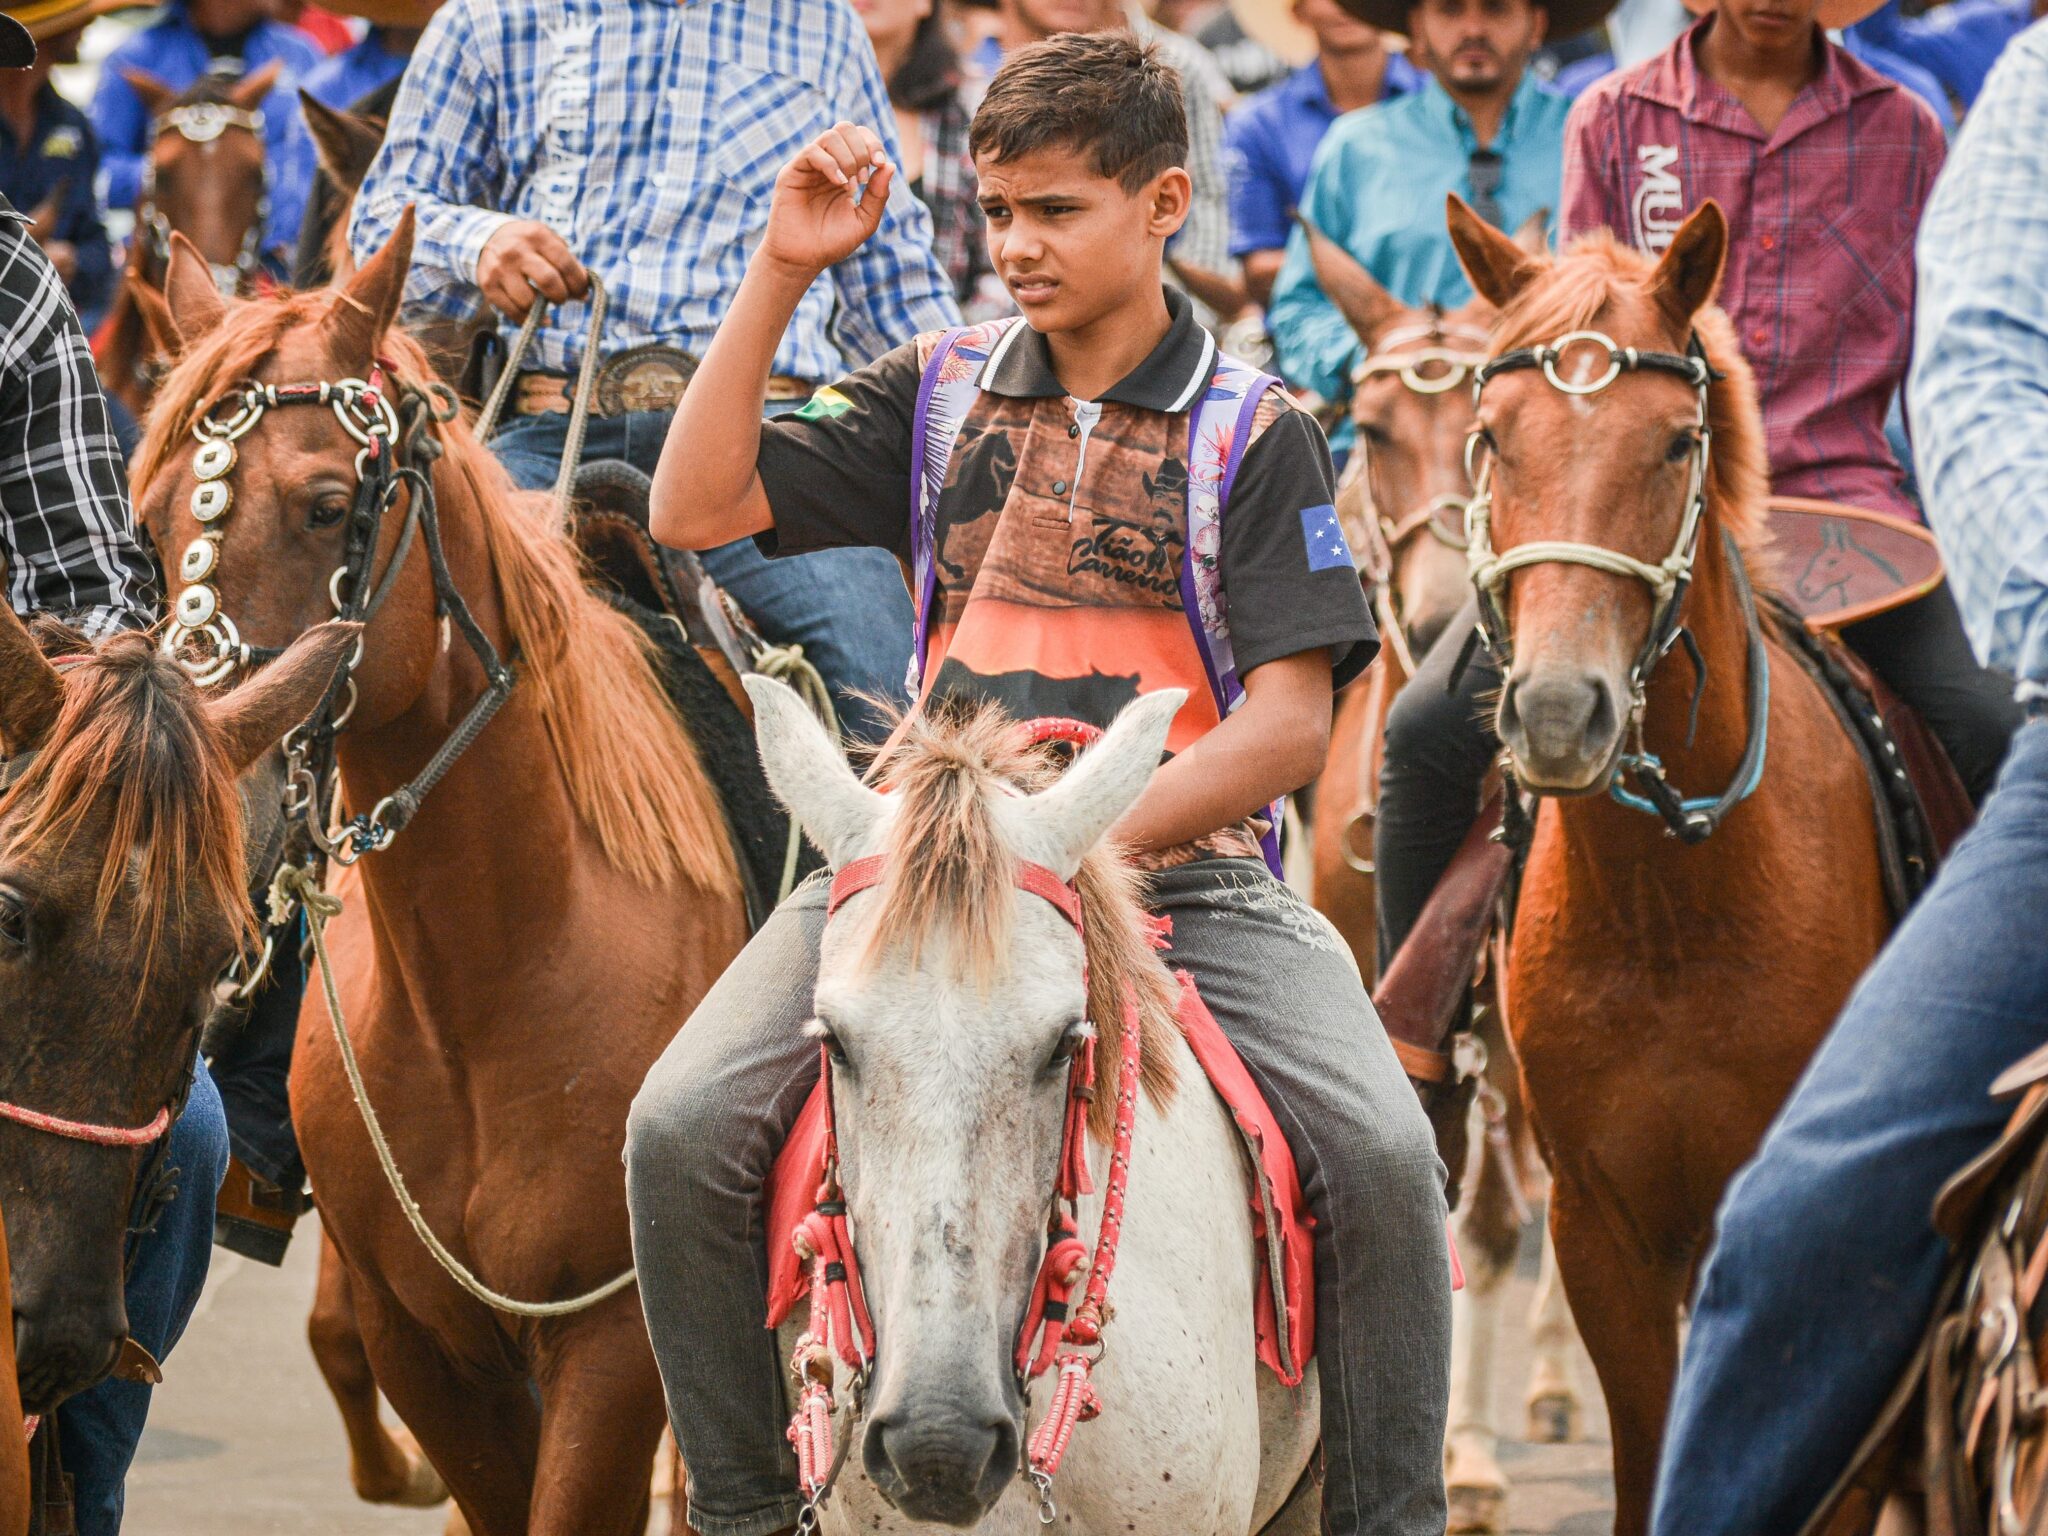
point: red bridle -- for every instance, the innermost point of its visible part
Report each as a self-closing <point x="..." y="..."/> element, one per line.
<point x="1052" y="1335"/>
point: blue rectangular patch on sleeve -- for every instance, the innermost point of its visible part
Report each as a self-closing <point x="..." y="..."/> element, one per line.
<point x="1324" y="537"/>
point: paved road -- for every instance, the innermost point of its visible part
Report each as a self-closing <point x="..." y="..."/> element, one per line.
<point x="244" y="1442"/>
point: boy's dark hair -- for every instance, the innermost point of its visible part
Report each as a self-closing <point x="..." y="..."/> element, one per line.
<point x="1103" y="92"/>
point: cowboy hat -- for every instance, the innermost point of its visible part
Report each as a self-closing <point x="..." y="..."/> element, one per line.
<point x="385" y="13"/>
<point x="1271" y="24"/>
<point x="1568" y="18"/>
<point x="41" y="20"/>
<point x="1832" y="13"/>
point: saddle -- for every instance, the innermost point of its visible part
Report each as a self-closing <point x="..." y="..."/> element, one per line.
<point x="1843" y="564"/>
<point x="1963" y="1428"/>
<point x="1280" y="1220"/>
<point x="1921" y="809"/>
<point x="705" y="643"/>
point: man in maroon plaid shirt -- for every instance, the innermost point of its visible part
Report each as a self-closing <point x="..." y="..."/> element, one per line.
<point x="1822" y="166"/>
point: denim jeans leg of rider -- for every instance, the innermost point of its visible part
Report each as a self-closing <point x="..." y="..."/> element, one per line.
<point x="848" y="608"/>
<point x="1826" y="1264"/>
<point x="167" y="1270"/>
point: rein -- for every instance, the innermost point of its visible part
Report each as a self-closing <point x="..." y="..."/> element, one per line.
<point x="1691" y="819"/>
<point x="201" y="122"/>
<point x="1052" y="1336"/>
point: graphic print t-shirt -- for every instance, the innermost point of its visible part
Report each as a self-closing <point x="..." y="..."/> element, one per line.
<point x="1062" y="529"/>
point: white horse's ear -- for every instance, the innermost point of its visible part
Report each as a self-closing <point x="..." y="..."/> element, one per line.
<point x="809" y="773"/>
<point x="1065" y="822"/>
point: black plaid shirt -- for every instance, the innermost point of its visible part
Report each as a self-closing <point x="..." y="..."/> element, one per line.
<point x="65" y="530"/>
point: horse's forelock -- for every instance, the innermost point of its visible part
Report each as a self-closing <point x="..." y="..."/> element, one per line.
<point x="951" y="876"/>
<point x="1587" y="288"/>
<point x="131" y="727"/>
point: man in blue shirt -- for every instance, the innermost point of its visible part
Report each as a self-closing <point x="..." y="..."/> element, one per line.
<point x="192" y="38"/>
<point x="541" y="141"/>
<point x="1270" y="142"/>
<point x="1956" y="43"/>
<point x="1481" y="126"/>
<point x="50" y="159"/>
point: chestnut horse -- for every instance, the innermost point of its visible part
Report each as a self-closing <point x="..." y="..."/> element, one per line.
<point x="514" y="959"/>
<point x="1663" y="994"/>
<point x="1403" y="499"/>
<point x="206" y="179"/>
<point x="123" y="897"/>
<point x="14" y="1486"/>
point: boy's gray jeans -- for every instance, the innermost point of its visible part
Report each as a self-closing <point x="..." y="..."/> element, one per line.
<point x="714" y="1110"/>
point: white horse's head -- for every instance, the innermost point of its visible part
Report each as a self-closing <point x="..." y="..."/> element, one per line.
<point x="951" y="1002"/>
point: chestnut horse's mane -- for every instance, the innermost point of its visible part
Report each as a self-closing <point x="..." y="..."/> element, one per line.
<point x="1575" y="292"/>
<point x="949" y="872"/>
<point x="131" y="726"/>
<point x="630" y="767"/>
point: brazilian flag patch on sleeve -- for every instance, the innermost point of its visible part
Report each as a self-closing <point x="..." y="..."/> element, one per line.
<point x="824" y="405"/>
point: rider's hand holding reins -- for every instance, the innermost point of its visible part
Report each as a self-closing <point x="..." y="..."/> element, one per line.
<point x="525" y="258"/>
<point x="827" y="201"/>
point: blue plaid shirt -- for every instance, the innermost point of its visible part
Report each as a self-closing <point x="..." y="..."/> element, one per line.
<point x="1979" y="389"/>
<point x="647" y="133"/>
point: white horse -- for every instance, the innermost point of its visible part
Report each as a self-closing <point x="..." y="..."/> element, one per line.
<point x="950" y="1001"/>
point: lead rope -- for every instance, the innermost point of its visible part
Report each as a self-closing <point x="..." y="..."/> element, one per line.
<point x="579" y="403"/>
<point x="297" y="882"/>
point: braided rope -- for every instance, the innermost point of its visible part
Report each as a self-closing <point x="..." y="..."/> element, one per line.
<point x="321" y="906"/>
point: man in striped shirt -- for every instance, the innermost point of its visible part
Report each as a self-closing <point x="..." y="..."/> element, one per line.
<point x="638" y="140"/>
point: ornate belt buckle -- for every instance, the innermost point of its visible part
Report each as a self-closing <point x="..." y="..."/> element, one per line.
<point x="650" y="378"/>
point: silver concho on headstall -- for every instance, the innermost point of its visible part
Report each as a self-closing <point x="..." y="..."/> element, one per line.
<point x="200" y="637"/>
<point x="200" y="557"/>
<point x="210" y="499"/>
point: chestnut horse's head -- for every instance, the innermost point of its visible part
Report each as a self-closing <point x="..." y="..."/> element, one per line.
<point x="206" y="178"/>
<point x="1411" y="403"/>
<point x="303" y="462"/>
<point x="123" y="896"/>
<point x="950" y="1003"/>
<point x="1617" y="432"/>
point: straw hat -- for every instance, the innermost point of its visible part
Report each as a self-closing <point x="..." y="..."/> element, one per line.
<point x="1272" y="23"/>
<point x="385" y="13"/>
<point x="23" y="26"/>
<point x="1568" y="18"/>
<point x="1833" y="13"/>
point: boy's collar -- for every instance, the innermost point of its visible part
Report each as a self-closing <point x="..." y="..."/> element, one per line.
<point x="1170" y="379"/>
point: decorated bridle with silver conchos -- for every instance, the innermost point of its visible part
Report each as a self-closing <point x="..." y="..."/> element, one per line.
<point x="1691" y="819"/>
<point x="397" y="451"/>
<point x="201" y="122"/>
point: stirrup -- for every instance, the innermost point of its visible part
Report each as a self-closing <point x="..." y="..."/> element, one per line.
<point x="253" y="1217"/>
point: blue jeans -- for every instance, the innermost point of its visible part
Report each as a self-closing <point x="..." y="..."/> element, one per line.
<point x="848" y="608"/>
<point x="1826" y="1264"/>
<point x="100" y="1428"/>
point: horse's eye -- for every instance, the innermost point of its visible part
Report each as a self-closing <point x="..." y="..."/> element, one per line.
<point x="328" y="512"/>
<point x="1069" y="1042"/>
<point x="824" y="1034"/>
<point x="1375" y="435"/>
<point x="13" y="923"/>
<point x="1681" y="447"/>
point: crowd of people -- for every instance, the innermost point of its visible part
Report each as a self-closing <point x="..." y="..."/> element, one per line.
<point x="542" y="143"/>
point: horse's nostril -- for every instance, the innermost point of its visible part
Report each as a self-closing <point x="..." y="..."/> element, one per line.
<point x="941" y="1466"/>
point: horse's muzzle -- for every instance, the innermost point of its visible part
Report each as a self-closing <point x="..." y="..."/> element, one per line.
<point x="62" y="1347"/>
<point x="943" y="1463"/>
<point x="1564" y="728"/>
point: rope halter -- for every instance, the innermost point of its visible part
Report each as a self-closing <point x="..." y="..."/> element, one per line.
<point x="1669" y="577"/>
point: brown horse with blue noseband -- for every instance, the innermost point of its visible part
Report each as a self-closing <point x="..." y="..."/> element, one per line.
<point x="1663" y="992"/>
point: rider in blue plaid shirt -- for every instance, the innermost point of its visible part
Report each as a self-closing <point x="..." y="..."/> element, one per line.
<point x="638" y="139"/>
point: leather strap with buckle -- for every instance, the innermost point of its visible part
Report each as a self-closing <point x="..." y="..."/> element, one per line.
<point x="649" y="378"/>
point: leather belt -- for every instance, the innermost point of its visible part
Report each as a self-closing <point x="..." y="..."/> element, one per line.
<point x="650" y="378"/>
